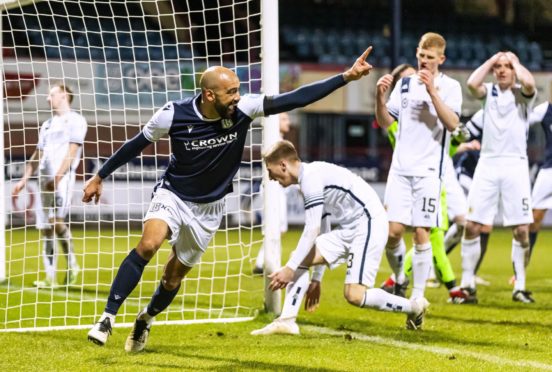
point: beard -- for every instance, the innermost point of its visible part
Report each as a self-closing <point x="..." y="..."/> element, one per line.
<point x="224" y="112"/>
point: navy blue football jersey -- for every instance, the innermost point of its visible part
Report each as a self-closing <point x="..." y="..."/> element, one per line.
<point x="206" y="153"/>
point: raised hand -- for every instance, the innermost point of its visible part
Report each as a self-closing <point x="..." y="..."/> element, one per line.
<point x="384" y="83"/>
<point x="360" y="68"/>
<point x="426" y="77"/>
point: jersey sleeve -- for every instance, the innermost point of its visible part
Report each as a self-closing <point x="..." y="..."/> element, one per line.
<point x="537" y="115"/>
<point x="160" y="123"/>
<point x="475" y="125"/>
<point x="394" y="102"/>
<point x="78" y="129"/>
<point x="252" y="105"/>
<point x="313" y="193"/>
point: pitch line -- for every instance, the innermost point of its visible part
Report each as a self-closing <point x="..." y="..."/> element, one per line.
<point x="429" y="349"/>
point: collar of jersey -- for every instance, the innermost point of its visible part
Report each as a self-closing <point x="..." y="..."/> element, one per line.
<point x="198" y="113"/>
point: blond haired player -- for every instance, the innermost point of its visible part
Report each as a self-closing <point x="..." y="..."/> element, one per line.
<point x="427" y="107"/>
<point x="358" y="240"/>
<point x="502" y="173"/>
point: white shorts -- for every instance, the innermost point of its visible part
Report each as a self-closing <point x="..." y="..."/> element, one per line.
<point x="54" y="204"/>
<point x="457" y="203"/>
<point x="542" y="190"/>
<point x="192" y="225"/>
<point x="360" y="245"/>
<point x="505" y="181"/>
<point x="413" y="201"/>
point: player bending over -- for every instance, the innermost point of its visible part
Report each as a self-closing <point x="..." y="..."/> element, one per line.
<point x="359" y="240"/>
<point x="188" y="202"/>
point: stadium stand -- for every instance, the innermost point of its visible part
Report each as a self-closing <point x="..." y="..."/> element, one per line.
<point x="312" y="34"/>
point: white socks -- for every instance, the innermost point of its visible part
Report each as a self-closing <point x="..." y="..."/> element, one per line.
<point x="421" y="265"/>
<point x="395" y="256"/>
<point x="518" y="259"/>
<point x="377" y="298"/>
<point x="471" y="251"/>
<point x="295" y="292"/>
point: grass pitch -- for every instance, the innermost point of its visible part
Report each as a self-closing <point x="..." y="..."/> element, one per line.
<point x="496" y="334"/>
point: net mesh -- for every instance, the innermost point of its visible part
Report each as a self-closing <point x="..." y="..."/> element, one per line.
<point x="123" y="60"/>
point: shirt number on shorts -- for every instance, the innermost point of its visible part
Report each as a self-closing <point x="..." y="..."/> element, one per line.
<point x="350" y="260"/>
<point x="525" y="203"/>
<point x="428" y="205"/>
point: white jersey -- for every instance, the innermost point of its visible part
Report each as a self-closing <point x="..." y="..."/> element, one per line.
<point x="54" y="138"/>
<point x="422" y="139"/>
<point x="505" y="122"/>
<point x="334" y="190"/>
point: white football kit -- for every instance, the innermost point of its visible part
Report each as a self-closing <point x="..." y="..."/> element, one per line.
<point x="55" y="136"/>
<point x="355" y="207"/>
<point x="413" y="187"/>
<point x="502" y="173"/>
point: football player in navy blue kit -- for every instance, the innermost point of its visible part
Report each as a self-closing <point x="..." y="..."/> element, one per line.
<point x="207" y="134"/>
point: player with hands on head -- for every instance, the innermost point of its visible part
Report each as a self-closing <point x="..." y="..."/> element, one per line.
<point x="427" y="107"/>
<point x="57" y="156"/>
<point x="502" y="173"/>
<point x="358" y="240"/>
<point x="188" y="202"/>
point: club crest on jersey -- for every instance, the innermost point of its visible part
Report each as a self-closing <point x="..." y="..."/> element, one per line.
<point x="404" y="102"/>
<point x="190" y="127"/>
<point x="227" y="123"/>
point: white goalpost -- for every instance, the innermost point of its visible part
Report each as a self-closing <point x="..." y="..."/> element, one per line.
<point x="123" y="60"/>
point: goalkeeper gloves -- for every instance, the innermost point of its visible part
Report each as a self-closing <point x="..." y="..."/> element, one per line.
<point x="461" y="133"/>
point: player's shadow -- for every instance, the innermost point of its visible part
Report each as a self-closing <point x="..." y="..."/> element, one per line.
<point x="230" y="363"/>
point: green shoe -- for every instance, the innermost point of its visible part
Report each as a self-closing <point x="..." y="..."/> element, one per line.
<point x="72" y="276"/>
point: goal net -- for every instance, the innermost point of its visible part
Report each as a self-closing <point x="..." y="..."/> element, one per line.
<point x="123" y="60"/>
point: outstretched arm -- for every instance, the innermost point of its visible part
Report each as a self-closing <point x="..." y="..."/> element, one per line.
<point x="127" y="152"/>
<point x="310" y="93"/>
<point x="280" y="278"/>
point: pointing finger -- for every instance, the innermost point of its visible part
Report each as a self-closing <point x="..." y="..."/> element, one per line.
<point x="366" y="53"/>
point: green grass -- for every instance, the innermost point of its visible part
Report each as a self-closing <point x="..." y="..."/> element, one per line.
<point x="497" y="334"/>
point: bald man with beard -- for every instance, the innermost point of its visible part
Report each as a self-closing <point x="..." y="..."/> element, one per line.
<point x="207" y="134"/>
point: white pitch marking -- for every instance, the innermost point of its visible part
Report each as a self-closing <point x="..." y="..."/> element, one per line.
<point x="430" y="349"/>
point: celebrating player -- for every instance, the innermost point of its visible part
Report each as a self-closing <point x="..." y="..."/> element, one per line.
<point x="57" y="157"/>
<point x="502" y="173"/>
<point x="426" y="106"/>
<point x="359" y="240"/>
<point x="208" y="133"/>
